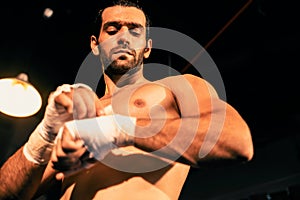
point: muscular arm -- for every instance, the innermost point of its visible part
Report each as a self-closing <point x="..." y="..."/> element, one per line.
<point x="208" y="128"/>
<point x="22" y="179"/>
<point x="25" y="174"/>
<point x="19" y="178"/>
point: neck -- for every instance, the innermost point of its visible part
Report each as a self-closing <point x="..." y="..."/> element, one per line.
<point x="133" y="76"/>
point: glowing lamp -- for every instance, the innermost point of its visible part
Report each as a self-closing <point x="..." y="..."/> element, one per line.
<point x="18" y="98"/>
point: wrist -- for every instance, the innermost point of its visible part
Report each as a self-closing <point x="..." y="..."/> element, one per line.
<point x="125" y="128"/>
<point x="46" y="132"/>
<point x="39" y="146"/>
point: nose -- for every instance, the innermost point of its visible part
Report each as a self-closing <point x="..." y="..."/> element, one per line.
<point x="124" y="36"/>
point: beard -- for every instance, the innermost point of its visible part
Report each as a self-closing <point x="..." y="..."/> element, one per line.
<point x="121" y="67"/>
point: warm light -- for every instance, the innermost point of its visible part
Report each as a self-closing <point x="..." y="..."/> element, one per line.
<point x="19" y="98"/>
<point x="48" y="12"/>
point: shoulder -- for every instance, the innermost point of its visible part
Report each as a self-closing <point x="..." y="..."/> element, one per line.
<point x="187" y="82"/>
<point x="178" y="79"/>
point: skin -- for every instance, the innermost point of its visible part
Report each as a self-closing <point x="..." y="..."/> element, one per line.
<point x="185" y="108"/>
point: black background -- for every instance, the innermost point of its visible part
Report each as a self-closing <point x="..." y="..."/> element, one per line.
<point x="255" y="45"/>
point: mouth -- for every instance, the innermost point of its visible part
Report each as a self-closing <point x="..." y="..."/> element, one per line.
<point x="123" y="51"/>
<point x="122" y="54"/>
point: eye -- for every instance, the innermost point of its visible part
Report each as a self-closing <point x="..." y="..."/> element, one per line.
<point x="111" y="30"/>
<point x="135" y="31"/>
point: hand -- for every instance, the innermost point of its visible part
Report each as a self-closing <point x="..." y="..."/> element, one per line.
<point x="66" y="103"/>
<point x="69" y="155"/>
<point x="104" y="133"/>
<point x="80" y="143"/>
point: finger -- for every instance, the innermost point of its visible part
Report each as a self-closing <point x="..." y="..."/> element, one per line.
<point x="84" y="103"/>
<point x="58" y="150"/>
<point x="86" y="156"/>
<point x="65" y="164"/>
<point x="68" y="142"/>
<point x="67" y="148"/>
<point x="65" y="174"/>
<point x="76" y="154"/>
<point x="65" y="100"/>
<point x="90" y="102"/>
<point x="53" y="155"/>
<point x="84" y="165"/>
<point x="59" y="176"/>
<point x="80" y="108"/>
<point x="67" y="160"/>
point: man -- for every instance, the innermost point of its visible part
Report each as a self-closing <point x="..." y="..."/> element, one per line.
<point x="138" y="141"/>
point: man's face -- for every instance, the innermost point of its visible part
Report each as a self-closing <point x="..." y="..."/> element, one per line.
<point x="122" y="38"/>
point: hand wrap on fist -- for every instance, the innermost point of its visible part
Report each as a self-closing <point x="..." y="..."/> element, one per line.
<point x="103" y="134"/>
<point x="40" y="143"/>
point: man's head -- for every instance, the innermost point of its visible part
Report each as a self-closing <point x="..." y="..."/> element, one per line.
<point x="122" y="38"/>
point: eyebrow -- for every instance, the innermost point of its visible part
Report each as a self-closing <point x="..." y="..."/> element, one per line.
<point x="120" y="23"/>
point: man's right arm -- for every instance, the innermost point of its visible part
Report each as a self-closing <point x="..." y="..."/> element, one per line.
<point x="22" y="174"/>
<point x="19" y="177"/>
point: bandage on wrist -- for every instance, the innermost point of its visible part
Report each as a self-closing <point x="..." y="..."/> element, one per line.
<point x="102" y="134"/>
<point x="39" y="146"/>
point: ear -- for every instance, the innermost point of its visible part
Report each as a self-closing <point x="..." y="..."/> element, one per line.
<point x="148" y="48"/>
<point x="94" y="45"/>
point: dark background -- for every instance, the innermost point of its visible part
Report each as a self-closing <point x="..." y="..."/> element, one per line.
<point x="255" y="45"/>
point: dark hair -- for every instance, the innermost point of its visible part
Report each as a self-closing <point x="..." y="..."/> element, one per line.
<point x="125" y="3"/>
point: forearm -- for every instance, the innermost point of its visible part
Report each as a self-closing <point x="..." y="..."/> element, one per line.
<point x="20" y="178"/>
<point x="176" y="140"/>
<point x="218" y="134"/>
<point x="22" y="173"/>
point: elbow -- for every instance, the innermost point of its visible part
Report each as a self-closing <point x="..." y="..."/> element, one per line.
<point x="245" y="154"/>
<point x="238" y="137"/>
<point x="236" y="144"/>
<point x="242" y="146"/>
<point x="248" y="152"/>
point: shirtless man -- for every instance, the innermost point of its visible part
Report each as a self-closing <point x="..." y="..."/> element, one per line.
<point x="170" y="125"/>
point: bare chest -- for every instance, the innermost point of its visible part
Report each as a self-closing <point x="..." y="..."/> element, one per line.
<point x="149" y="100"/>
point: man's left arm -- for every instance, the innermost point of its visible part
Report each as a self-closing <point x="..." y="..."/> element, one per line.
<point x="208" y="129"/>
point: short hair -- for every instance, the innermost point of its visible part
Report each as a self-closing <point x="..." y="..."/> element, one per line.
<point x="125" y="3"/>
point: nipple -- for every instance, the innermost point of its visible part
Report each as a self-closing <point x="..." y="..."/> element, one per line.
<point x="139" y="103"/>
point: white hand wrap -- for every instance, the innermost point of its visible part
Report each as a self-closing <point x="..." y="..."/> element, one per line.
<point x="102" y="134"/>
<point x="40" y="143"/>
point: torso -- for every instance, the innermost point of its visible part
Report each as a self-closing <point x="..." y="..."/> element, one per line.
<point x="128" y="172"/>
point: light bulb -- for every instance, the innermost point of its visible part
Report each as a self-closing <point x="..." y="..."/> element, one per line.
<point x="18" y="98"/>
